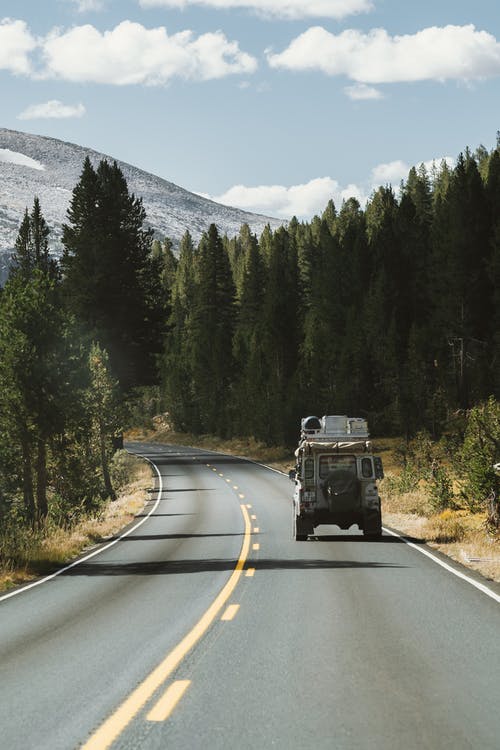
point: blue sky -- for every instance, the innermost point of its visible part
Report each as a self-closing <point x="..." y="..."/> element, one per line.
<point x="270" y="105"/>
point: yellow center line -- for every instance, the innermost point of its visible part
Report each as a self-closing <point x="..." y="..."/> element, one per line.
<point x="235" y="487"/>
<point x="253" y="518"/>
<point x="250" y="572"/>
<point x="256" y="530"/>
<point x="256" y="546"/>
<point x="162" y="710"/>
<point x="107" y="733"/>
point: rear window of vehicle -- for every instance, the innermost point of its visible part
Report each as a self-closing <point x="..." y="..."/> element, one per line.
<point x="336" y="462"/>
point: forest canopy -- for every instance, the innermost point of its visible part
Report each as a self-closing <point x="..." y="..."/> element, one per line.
<point x="390" y="312"/>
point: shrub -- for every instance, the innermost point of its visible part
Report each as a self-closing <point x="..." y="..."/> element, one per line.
<point x="440" y="487"/>
<point x="480" y="451"/>
<point x="122" y="468"/>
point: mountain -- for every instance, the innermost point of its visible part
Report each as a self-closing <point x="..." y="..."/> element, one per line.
<point x="33" y="165"/>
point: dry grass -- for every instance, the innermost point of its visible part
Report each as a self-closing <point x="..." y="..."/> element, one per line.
<point x="456" y="532"/>
<point x="60" y="546"/>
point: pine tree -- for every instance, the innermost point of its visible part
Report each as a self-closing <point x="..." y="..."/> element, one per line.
<point x="248" y="333"/>
<point x="32" y="374"/>
<point x="177" y="381"/>
<point x="277" y="350"/>
<point x="108" y="272"/>
<point x="211" y="334"/>
<point x="462" y="293"/>
<point x="32" y="244"/>
<point x="32" y="369"/>
<point x="102" y="408"/>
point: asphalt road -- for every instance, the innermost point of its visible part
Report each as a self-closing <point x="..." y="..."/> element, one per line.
<point x="208" y="627"/>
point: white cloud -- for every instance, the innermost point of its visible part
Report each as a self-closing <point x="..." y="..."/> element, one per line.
<point x="395" y="171"/>
<point x="84" y="6"/>
<point x="361" y="91"/>
<point x="309" y="199"/>
<point x="52" y="109"/>
<point x="302" y="201"/>
<point x="16" y="43"/>
<point x="291" y="9"/>
<point x="132" y="54"/>
<point x="14" y="157"/>
<point x="450" y="52"/>
<point x="392" y="172"/>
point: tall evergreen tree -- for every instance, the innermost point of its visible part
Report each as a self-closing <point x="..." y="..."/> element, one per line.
<point x="32" y="244"/>
<point x="211" y="334"/>
<point x="32" y="377"/>
<point x="107" y="269"/>
<point x="177" y="379"/>
<point x="279" y="345"/>
<point x="247" y="335"/>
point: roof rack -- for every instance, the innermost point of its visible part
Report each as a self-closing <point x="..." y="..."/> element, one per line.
<point x="334" y="428"/>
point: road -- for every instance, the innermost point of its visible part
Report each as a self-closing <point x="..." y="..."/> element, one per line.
<point x="208" y="627"/>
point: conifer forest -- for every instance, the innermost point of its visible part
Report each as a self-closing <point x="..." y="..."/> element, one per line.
<point x="389" y="312"/>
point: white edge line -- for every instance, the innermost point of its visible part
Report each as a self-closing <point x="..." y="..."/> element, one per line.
<point x="426" y="552"/>
<point x="480" y="586"/>
<point x="97" y="551"/>
<point x="449" y="568"/>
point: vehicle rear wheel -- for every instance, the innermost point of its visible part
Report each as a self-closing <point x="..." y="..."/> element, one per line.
<point x="372" y="534"/>
<point x="372" y="525"/>
<point x="301" y="530"/>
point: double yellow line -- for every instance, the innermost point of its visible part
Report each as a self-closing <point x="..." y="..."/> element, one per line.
<point x="117" y="722"/>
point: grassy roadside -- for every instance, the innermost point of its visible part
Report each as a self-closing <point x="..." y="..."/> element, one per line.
<point x="457" y="533"/>
<point x="37" y="555"/>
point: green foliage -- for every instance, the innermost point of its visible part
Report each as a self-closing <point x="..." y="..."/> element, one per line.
<point x="479" y="453"/>
<point x="116" y="289"/>
<point x="122" y="468"/>
<point x="440" y="487"/>
<point x="58" y="410"/>
<point x="390" y="312"/>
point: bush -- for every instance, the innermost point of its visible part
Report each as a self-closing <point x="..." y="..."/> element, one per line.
<point x="440" y="487"/>
<point x="122" y="468"/>
<point x="480" y="451"/>
<point x="17" y="543"/>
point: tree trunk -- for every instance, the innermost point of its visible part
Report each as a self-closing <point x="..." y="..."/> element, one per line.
<point x="105" y="468"/>
<point x="28" y="495"/>
<point x="41" y="480"/>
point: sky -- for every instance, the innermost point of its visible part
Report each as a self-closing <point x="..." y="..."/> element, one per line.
<point x="274" y="106"/>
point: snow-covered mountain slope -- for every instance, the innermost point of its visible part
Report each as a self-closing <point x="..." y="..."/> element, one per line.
<point x="32" y="165"/>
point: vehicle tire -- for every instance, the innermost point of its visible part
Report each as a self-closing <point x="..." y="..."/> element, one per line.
<point x="372" y="525"/>
<point x="301" y="530"/>
<point x="372" y="533"/>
